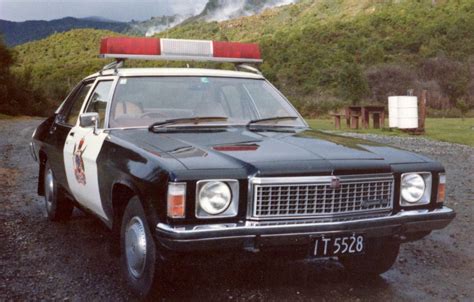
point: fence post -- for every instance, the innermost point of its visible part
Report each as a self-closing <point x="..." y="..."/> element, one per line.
<point x="422" y="116"/>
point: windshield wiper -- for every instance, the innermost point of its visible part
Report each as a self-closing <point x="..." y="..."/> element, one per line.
<point x="188" y="120"/>
<point x="271" y="119"/>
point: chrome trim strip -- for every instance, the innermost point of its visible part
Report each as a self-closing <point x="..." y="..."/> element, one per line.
<point x="424" y="214"/>
<point x="33" y="151"/>
<point x="318" y="179"/>
<point x="181" y="58"/>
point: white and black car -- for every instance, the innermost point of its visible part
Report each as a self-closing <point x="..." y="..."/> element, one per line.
<point x="181" y="160"/>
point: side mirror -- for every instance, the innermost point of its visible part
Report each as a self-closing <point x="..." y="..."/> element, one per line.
<point x="89" y="120"/>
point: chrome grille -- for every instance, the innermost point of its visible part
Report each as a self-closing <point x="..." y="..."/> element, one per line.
<point x="314" y="196"/>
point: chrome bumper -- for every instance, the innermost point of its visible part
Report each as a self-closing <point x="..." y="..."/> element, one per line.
<point x="254" y="235"/>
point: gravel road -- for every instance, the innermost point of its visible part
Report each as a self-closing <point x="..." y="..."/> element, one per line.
<point x="40" y="260"/>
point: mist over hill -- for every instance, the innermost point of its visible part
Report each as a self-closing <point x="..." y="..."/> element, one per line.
<point x="221" y="10"/>
<point x="214" y="10"/>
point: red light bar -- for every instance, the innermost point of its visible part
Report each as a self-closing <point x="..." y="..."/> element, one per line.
<point x="135" y="46"/>
<point x="179" y="50"/>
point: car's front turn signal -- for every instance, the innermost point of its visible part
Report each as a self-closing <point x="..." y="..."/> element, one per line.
<point x="176" y="200"/>
<point x="441" y="188"/>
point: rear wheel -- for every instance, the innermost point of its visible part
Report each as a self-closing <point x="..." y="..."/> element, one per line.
<point x="379" y="257"/>
<point x="141" y="262"/>
<point x="58" y="206"/>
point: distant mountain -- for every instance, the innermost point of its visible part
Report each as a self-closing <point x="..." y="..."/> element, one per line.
<point x="99" y="19"/>
<point x="16" y="33"/>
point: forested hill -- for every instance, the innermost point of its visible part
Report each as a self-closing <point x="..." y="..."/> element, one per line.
<point x="16" y="33"/>
<point x="320" y="53"/>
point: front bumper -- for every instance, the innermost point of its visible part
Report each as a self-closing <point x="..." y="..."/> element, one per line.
<point x="254" y="235"/>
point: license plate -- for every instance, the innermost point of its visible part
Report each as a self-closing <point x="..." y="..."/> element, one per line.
<point x="327" y="246"/>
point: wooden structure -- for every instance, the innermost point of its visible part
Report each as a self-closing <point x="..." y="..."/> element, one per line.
<point x="352" y="114"/>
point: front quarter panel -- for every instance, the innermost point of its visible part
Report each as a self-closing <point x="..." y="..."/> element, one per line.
<point x="145" y="173"/>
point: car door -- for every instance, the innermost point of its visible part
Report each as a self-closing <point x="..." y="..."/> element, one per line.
<point x="65" y="118"/>
<point x="82" y="148"/>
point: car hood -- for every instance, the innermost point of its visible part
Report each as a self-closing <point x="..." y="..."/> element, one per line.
<point x="271" y="152"/>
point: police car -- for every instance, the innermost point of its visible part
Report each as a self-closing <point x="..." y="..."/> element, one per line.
<point x="179" y="160"/>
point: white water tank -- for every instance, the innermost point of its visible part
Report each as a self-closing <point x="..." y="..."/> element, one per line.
<point x="407" y="112"/>
<point x="393" y="111"/>
<point x="403" y="112"/>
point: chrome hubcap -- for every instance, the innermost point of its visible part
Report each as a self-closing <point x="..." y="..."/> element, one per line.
<point x="135" y="246"/>
<point x="49" y="190"/>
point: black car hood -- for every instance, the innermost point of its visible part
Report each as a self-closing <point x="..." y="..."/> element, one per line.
<point x="295" y="152"/>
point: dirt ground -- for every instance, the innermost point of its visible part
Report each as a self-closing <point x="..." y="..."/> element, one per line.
<point x="40" y="260"/>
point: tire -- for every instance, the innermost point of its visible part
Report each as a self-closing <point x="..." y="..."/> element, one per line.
<point x="141" y="263"/>
<point x="58" y="206"/>
<point x="379" y="257"/>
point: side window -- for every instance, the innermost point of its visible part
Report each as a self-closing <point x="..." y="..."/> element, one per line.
<point x="99" y="99"/>
<point x="77" y="101"/>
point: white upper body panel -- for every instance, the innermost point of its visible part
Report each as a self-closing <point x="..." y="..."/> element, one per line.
<point x="136" y="72"/>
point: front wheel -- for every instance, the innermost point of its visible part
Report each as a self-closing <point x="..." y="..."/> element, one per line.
<point x="58" y="207"/>
<point x="141" y="263"/>
<point x="379" y="257"/>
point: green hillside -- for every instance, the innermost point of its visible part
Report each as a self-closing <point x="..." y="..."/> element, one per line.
<point x="58" y="62"/>
<point x="321" y="53"/>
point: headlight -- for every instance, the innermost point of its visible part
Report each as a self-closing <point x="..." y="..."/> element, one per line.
<point x="415" y="188"/>
<point x="215" y="197"/>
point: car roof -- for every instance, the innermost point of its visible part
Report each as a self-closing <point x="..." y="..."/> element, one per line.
<point x="131" y="72"/>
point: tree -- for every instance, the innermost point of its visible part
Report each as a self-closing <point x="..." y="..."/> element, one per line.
<point x="17" y="94"/>
<point x="6" y="60"/>
<point x="352" y="83"/>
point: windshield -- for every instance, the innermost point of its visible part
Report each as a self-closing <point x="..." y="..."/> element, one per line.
<point x="142" y="101"/>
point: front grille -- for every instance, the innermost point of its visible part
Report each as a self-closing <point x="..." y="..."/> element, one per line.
<point x="297" y="197"/>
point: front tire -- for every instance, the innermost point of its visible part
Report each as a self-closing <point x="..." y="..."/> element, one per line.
<point x="379" y="257"/>
<point x="58" y="206"/>
<point x="141" y="263"/>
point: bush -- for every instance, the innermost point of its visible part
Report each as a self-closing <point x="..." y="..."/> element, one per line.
<point x="387" y="80"/>
<point x="17" y="95"/>
<point x="452" y="76"/>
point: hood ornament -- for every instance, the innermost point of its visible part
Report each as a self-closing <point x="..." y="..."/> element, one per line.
<point x="335" y="183"/>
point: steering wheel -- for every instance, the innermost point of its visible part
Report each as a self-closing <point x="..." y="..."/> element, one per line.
<point x="152" y="114"/>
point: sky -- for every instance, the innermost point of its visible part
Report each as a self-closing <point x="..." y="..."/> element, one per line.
<point x="119" y="10"/>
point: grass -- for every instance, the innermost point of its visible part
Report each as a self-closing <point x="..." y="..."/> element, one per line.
<point x="5" y="117"/>
<point x="452" y="130"/>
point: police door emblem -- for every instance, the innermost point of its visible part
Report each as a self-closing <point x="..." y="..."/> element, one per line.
<point x="78" y="162"/>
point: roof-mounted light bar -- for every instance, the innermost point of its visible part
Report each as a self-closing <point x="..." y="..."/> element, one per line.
<point x="179" y="50"/>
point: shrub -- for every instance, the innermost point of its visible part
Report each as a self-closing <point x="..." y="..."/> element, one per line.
<point x="387" y="80"/>
<point x="452" y="76"/>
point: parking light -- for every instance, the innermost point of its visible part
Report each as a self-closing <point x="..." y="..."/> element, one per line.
<point x="441" y="188"/>
<point x="176" y="200"/>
